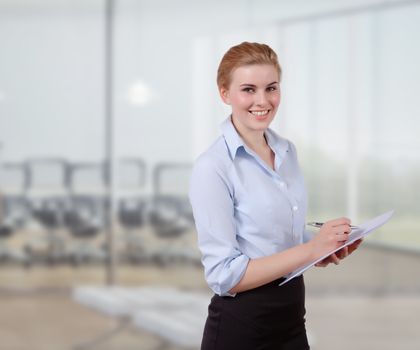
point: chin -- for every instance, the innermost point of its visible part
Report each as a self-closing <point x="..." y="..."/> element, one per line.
<point x="264" y="123"/>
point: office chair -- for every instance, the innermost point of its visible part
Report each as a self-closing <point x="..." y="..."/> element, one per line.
<point x="13" y="210"/>
<point x="47" y="197"/>
<point x="84" y="216"/>
<point x="171" y="213"/>
<point x="132" y="207"/>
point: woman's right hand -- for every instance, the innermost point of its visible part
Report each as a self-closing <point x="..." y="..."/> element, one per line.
<point x="331" y="236"/>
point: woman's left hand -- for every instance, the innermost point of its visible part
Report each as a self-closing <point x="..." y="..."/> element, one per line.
<point x="339" y="254"/>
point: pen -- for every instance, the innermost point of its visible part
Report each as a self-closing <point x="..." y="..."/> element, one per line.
<point x="319" y="224"/>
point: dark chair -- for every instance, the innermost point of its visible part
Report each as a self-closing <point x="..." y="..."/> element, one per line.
<point x="84" y="219"/>
<point x="85" y="215"/>
<point x="171" y="215"/>
<point x="13" y="210"/>
<point x="49" y="212"/>
<point x="132" y="208"/>
<point x="6" y="231"/>
<point x="168" y="216"/>
<point x="47" y="197"/>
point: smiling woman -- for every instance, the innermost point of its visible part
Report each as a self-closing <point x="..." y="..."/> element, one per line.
<point x="250" y="215"/>
<point x="249" y="81"/>
<point x="255" y="90"/>
<point x="254" y="95"/>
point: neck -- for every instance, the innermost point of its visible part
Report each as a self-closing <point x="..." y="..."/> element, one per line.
<point x="254" y="139"/>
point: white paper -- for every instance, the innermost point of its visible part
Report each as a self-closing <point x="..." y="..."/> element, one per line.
<point x="362" y="231"/>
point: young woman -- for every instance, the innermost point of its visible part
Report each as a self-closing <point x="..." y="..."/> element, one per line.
<point x="249" y="203"/>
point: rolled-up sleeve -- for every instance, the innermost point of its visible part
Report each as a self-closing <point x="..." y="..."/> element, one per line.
<point x="211" y="198"/>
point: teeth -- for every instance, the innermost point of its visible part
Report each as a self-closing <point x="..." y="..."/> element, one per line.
<point x="259" y="113"/>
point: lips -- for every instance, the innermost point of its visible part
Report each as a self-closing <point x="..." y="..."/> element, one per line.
<point x="259" y="113"/>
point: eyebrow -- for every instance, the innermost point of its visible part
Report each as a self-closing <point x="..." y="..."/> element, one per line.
<point x="252" y="85"/>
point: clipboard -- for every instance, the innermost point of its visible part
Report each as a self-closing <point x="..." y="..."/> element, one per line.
<point x="362" y="231"/>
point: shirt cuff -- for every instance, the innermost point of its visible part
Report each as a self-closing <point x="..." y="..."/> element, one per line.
<point x="238" y="269"/>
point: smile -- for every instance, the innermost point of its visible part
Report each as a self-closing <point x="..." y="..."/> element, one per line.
<point x="259" y="113"/>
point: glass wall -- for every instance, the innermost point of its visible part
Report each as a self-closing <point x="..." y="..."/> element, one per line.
<point x="349" y="104"/>
<point x="51" y="132"/>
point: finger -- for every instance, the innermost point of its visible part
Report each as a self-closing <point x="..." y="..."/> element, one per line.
<point x="342" y="253"/>
<point x="322" y="264"/>
<point x="341" y="229"/>
<point x="339" y="253"/>
<point x="359" y="242"/>
<point x="341" y="233"/>
<point x="346" y="252"/>
<point x="339" y="221"/>
<point x="335" y="259"/>
<point x="355" y="245"/>
<point x="342" y="237"/>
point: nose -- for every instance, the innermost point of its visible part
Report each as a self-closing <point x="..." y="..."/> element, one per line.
<point x="261" y="99"/>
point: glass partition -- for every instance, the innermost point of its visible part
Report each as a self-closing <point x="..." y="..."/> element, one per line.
<point x="51" y="122"/>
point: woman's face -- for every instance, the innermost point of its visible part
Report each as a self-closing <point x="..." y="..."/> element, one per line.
<point x="254" y="94"/>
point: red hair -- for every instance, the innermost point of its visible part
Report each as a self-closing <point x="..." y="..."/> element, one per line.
<point x="245" y="54"/>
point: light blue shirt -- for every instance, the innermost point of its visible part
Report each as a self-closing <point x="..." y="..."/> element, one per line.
<point x="242" y="208"/>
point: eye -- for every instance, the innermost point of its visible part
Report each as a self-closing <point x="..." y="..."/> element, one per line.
<point x="271" y="88"/>
<point x="248" y="89"/>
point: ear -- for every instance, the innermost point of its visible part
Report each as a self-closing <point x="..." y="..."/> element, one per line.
<point x="224" y="94"/>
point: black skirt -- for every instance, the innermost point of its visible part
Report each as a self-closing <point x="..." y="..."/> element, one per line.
<point x="265" y="318"/>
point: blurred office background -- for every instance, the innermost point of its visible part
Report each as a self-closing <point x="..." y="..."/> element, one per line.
<point x="104" y="105"/>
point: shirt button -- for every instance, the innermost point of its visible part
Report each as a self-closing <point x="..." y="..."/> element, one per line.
<point x="295" y="208"/>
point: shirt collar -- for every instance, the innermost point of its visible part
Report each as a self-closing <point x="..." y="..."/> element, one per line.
<point x="278" y="144"/>
<point x="232" y="138"/>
